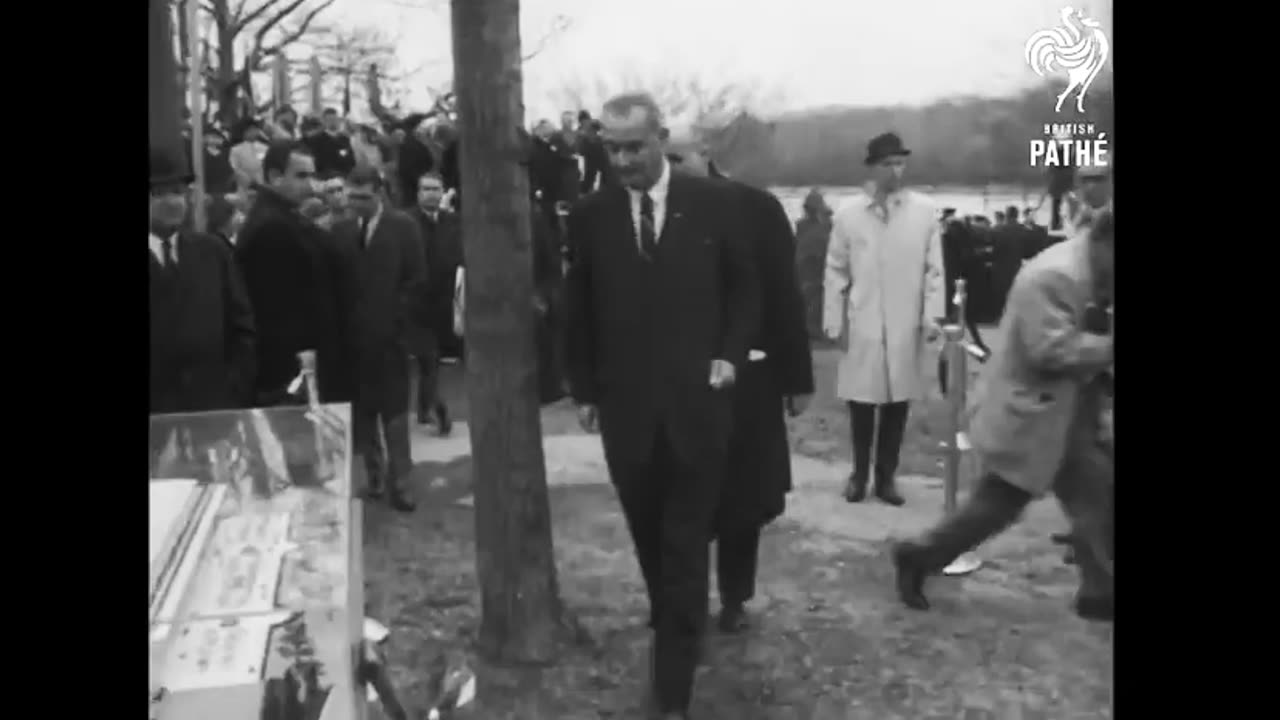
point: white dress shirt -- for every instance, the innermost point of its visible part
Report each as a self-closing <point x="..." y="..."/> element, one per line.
<point x="372" y="228"/>
<point x="657" y="193"/>
<point x="157" y="248"/>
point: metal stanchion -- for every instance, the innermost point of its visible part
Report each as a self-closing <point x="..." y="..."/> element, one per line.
<point x="957" y="378"/>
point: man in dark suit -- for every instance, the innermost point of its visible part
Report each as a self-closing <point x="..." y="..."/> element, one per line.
<point x="663" y="304"/>
<point x="391" y="274"/>
<point x="414" y="158"/>
<point x="300" y="300"/>
<point x="202" y="329"/>
<point x="778" y="376"/>
<point x="331" y="147"/>
<point x="442" y="249"/>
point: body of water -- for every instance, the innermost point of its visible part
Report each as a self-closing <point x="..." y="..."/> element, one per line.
<point x="966" y="201"/>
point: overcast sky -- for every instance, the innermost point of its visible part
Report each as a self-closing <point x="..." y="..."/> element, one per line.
<point x="816" y="52"/>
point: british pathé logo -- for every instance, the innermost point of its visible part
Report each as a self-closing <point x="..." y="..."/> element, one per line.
<point x="1078" y="48"/>
<point x="1070" y="144"/>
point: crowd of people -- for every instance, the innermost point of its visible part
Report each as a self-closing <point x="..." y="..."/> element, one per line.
<point x="679" y="331"/>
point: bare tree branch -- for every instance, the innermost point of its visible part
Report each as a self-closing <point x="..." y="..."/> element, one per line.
<point x="260" y="36"/>
<point x="243" y="20"/>
<point x="559" y="24"/>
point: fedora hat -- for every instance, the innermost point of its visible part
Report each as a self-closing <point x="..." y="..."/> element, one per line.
<point x="166" y="169"/>
<point x="883" y="146"/>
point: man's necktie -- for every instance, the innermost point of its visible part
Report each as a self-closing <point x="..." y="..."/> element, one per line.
<point x="170" y="262"/>
<point x="364" y="233"/>
<point x="648" y="232"/>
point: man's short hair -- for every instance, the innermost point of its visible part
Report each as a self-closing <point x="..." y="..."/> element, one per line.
<point x="329" y="111"/>
<point x="278" y="154"/>
<point x="285" y="109"/>
<point x="431" y="174"/>
<point x="626" y="103"/>
<point x="362" y="176"/>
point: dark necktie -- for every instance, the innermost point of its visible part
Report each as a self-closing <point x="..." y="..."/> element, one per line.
<point x="170" y="262"/>
<point x="648" y="232"/>
<point x="364" y="233"/>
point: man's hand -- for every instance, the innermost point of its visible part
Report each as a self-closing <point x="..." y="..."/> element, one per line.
<point x="722" y="374"/>
<point x="797" y="404"/>
<point x="588" y="418"/>
<point x="307" y="359"/>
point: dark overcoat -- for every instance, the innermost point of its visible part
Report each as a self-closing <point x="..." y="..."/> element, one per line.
<point x="759" y="468"/>
<point x="390" y="275"/>
<point x="202" y="330"/>
<point x="291" y="272"/>
<point x="441" y="242"/>
<point x="642" y="333"/>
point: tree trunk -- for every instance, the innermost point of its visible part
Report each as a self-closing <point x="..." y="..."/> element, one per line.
<point x="520" y="602"/>
<point x="164" y="96"/>
<point x="228" y="80"/>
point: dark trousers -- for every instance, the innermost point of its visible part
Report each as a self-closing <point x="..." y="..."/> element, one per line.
<point x="1055" y="211"/>
<point x="737" y="556"/>
<point x="893" y="426"/>
<point x="429" y="381"/>
<point x="669" y="503"/>
<point x="1084" y="486"/>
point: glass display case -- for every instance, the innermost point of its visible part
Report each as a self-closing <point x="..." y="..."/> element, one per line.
<point x="257" y="595"/>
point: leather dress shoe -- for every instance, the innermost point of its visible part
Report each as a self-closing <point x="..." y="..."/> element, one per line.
<point x="887" y="493"/>
<point x="855" y="490"/>
<point x="733" y="619"/>
<point x="1100" y="608"/>
<point x="910" y="576"/>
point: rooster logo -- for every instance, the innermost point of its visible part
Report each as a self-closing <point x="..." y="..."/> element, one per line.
<point x="1079" y="47"/>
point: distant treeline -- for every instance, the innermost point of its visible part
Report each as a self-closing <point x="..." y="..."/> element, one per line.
<point x="964" y="141"/>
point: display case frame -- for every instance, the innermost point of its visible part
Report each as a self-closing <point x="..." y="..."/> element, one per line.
<point x="257" y="598"/>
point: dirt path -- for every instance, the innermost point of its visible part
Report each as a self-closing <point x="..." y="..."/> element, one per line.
<point x="831" y="643"/>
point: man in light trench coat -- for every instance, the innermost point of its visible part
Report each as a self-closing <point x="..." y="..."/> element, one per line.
<point x="883" y="293"/>
<point x="1037" y="423"/>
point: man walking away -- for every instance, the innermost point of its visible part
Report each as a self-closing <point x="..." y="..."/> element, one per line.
<point x="663" y="305"/>
<point x="202" y="331"/>
<point x="442" y="250"/>
<point x="884" y="296"/>
<point x="391" y="274"/>
<point x="1037" y="423"/>
<point x="777" y="377"/>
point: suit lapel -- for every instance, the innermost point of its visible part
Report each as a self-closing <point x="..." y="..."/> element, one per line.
<point x="627" y="233"/>
<point x="677" y="206"/>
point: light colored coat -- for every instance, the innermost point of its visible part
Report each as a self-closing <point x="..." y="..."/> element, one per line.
<point x="1037" y="398"/>
<point x="884" y="284"/>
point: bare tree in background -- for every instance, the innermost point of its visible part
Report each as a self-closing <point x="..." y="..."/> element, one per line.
<point x="264" y="27"/>
<point x="515" y="563"/>
<point x="689" y="99"/>
<point x="347" y="54"/>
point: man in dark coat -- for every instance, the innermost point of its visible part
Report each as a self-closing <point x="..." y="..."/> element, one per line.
<point x="331" y="148"/>
<point x="300" y="300"/>
<point x="414" y="159"/>
<point x="663" y="304"/>
<point x="778" y="377"/>
<point x="442" y="250"/>
<point x="595" y="161"/>
<point x="391" y="275"/>
<point x="202" y="329"/>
